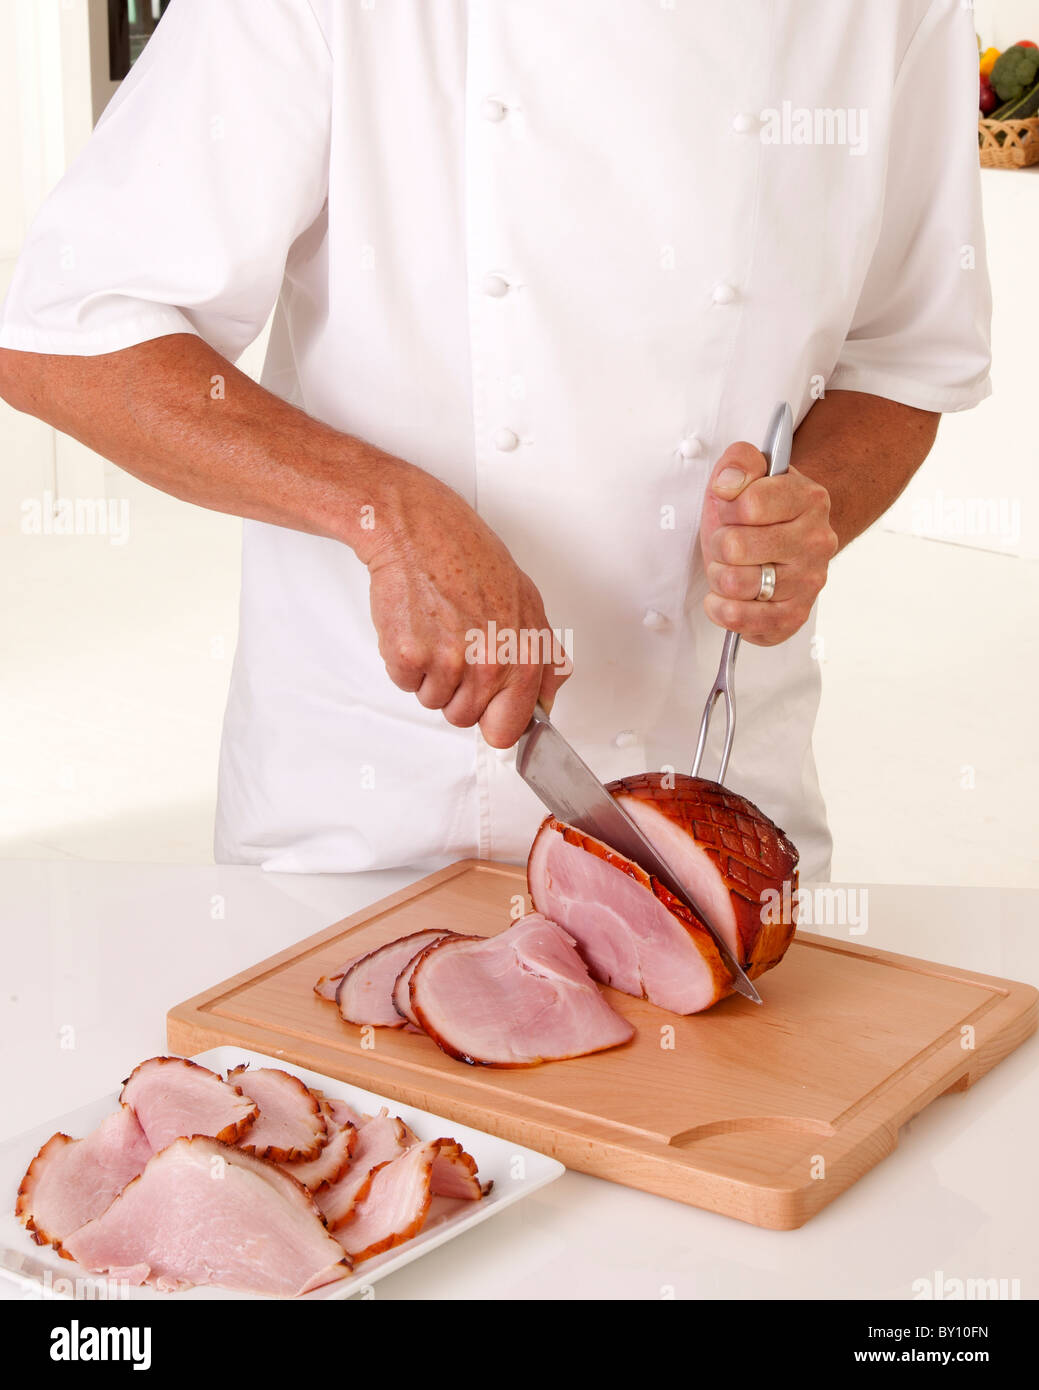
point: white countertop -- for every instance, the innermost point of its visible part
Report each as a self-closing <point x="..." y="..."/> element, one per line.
<point x="94" y="955"/>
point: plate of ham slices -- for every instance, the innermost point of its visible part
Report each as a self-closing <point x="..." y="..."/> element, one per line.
<point x="236" y="1175"/>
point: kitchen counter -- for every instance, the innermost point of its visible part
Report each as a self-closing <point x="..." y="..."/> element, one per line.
<point x="95" y="953"/>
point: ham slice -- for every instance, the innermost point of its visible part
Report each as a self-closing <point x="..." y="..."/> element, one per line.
<point x="328" y="984"/>
<point x="513" y="1000"/>
<point x="331" y="1163"/>
<point x="398" y="1200"/>
<point x="70" y="1181"/>
<point x="402" y="985"/>
<point x="291" y="1125"/>
<point x="629" y="929"/>
<point x="205" y="1213"/>
<point x="379" y="1140"/>
<point x="365" y="993"/>
<point x="455" y="1175"/>
<point x="730" y="853"/>
<point x="173" y="1097"/>
<point x="637" y="936"/>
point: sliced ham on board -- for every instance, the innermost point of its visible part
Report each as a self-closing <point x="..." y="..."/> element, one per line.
<point x="396" y="1204"/>
<point x="203" y="1212"/>
<point x="365" y="993"/>
<point x="402" y="984"/>
<point x="328" y="984"/>
<point x="291" y="1125"/>
<point x="379" y="1139"/>
<point x="70" y="1181"/>
<point x="513" y="1000"/>
<point x="173" y="1097"/>
<point x="633" y="933"/>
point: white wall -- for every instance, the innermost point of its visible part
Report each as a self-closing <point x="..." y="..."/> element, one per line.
<point x="1003" y="22"/>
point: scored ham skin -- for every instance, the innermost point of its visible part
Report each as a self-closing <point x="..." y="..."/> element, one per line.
<point x="203" y="1212"/>
<point x="365" y="993"/>
<point x="632" y="933"/>
<point x="175" y="1098"/>
<point x="379" y="1139"/>
<point x="398" y="1200"/>
<point x="291" y="1125"/>
<point x="728" y="850"/>
<point x="513" y="1000"/>
<point x="70" y="1181"/>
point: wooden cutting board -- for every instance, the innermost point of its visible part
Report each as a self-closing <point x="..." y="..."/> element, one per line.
<point x="765" y="1113"/>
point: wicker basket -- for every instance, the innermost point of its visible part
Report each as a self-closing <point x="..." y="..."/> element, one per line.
<point x="1009" y="144"/>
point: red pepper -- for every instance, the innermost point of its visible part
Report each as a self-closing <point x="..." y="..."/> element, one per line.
<point x="1026" y="43"/>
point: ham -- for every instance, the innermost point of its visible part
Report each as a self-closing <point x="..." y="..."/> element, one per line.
<point x="513" y="1000"/>
<point x="203" y="1212"/>
<point x="70" y="1181"/>
<point x="328" y="984"/>
<point x="365" y="993"/>
<point x="398" y="1199"/>
<point x="379" y="1139"/>
<point x="173" y="1098"/>
<point x="333" y="1160"/>
<point x="729" y="853"/>
<point x="633" y="933"/>
<point x="402" y="985"/>
<point x="291" y="1126"/>
<point x="454" y="1174"/>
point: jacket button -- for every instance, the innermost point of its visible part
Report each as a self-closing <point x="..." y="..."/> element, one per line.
<point x="627" y="738"/>
<point x="495" y="285"/>
<point x="743" y="123"/>
<point x="492" y="110"/>
<point x="506" y="440"/>
<point x="723" y="293"/>
<point x="691" y="447"/>
<point x="655" y="620"/>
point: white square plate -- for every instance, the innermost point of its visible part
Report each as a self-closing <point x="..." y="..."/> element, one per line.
<point x="39" y="1272"/>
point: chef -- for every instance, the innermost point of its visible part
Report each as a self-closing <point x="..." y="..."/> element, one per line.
<point x="539" y="272"/>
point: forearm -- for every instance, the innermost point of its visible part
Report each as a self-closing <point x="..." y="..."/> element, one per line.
<point x="176" y="414"/>
<point x="863" y="449"/>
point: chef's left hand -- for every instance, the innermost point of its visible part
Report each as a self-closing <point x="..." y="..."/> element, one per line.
<point x="750" y="520"/>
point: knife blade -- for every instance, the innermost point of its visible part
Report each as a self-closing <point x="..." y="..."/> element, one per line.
<point x="561" y="779"/>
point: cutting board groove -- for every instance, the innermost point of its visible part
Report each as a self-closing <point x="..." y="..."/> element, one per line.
<point x="761" y="1113"/>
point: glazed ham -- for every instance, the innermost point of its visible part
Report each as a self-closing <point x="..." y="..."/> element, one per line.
<point x="174" y="1098"/>
<point x="291" y="1125"/>
<point x="728" y="851"/>
<point x="365" y="992"/>
<point x="70" y="1181"/>
<point x="399" y="1198"/>
<point x="202" y="1212"/>
<point x="513" y="1000"/>
<point x="632" y="932"/>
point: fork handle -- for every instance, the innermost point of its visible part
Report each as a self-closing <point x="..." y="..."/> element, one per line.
<point x="779" y="439"/>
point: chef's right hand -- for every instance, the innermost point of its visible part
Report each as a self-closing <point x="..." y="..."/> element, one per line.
<point x="439" y="575"/>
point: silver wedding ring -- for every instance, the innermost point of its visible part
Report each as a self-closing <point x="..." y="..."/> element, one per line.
<point x="768" y="582"/>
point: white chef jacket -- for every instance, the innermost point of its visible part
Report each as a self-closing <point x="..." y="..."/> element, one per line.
<point x="551" y="253"/>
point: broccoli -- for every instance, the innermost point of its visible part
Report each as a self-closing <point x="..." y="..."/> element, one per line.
<point x="1014" y="72"/>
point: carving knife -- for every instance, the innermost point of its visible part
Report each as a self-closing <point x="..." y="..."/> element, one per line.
<point x="570" y="789"/>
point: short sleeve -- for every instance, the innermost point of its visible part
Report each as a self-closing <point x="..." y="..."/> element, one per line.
<point x="179" y="214"/>
<point x="920" y="333"/>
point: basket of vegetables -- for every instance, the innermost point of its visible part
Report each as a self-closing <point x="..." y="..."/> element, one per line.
<point x="1008" y="127"/>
